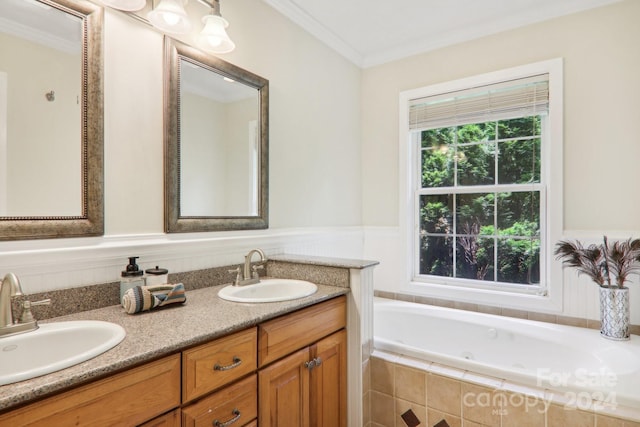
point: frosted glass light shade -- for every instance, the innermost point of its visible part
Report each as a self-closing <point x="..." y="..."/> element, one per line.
<point x="213" y="37"/>
<point x="170" y="17"/>
<point x="126" y="5"/>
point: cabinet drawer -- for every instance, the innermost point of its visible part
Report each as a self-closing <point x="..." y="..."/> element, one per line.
<point x="284" y="335"/>
<point x="128" y="398"/>
<point x="237" y="401"/>
<point x="212" y="365"/>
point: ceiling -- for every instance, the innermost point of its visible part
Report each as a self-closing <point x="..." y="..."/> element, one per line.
<point x="372" y="32"/>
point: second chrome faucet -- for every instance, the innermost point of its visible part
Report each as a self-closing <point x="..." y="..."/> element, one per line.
<point x="249" y="273"/>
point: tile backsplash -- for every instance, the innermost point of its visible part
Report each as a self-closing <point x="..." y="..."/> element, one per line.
<point x="90" y="297"/>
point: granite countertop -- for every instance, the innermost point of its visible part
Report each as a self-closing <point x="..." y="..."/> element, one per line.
<point x="324" y="261"/>
<point x="157" y="333"/>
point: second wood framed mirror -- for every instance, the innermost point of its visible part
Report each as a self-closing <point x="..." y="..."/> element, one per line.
<point x="216" y="143"/>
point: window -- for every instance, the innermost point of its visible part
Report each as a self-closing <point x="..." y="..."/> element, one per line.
<point x="480" y="154"/>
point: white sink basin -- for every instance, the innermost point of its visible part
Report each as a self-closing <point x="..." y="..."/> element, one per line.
<point x="269" y="290"/>
<point x="55" y="346"/>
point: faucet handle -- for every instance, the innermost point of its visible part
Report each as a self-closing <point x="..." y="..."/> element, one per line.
<point x="237" y="272"/>
<point x="27" y="316"/>
<point x="254" y="271"/>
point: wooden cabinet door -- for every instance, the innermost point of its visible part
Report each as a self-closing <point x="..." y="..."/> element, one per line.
<point x="172" y="419"/>
<point x="283" y="392"/>
<point x="328" y="382"/>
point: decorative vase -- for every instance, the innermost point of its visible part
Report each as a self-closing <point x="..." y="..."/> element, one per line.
<point x="614" y="313"/>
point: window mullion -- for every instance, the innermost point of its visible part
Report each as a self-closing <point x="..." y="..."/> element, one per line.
<point x="454" y="214"/>
<point x="501" y="188"/>
<point x="417" y="184"/>
<point x="496" y="169"/>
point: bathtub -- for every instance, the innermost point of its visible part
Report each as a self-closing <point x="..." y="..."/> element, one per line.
<point x="575" y="362"/>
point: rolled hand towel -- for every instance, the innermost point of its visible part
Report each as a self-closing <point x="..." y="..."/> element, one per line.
<point x="142" y="298"/>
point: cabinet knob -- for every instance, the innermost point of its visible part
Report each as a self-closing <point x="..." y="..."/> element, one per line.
<point x="313" y="363"/>
<point x="236" y="362"/>
<point x="236" y="417"/>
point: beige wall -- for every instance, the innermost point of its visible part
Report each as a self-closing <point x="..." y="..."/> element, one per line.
<point x="314" y="160"/>
<point x="214" y="155"/>
<point x="601" y="103"/>
<point x="42" y="159"/>
<point x="334" y="141"/>
<point x="314" y="121"/>
<point x="203" y="152"/>
<point x="601" y="147"/>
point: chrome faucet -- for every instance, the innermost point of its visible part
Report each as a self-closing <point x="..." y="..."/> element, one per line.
<point x="10" y="287"/>
<point x="249" y="274"/>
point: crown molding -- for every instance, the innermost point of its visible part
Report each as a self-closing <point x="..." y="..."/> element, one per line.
<point x="365" y="60"/>
<point x="312" y="26"/>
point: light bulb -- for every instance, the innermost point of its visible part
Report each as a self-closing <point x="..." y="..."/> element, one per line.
<point x="170" y="17"/>
<point x="214" y="37"/>
<point x="213" y="41"/>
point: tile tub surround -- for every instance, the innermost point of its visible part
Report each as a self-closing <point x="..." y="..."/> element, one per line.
<point x="435" y="392"/>
<point x="521" y="314"/>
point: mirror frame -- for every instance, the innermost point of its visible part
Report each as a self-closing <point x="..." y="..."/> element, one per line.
<point x="174" y="51"/>
<point x="91" y="221"/>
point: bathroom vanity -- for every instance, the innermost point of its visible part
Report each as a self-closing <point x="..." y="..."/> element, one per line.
<point x="294" y="362"/>
<point x="277" y="357"/>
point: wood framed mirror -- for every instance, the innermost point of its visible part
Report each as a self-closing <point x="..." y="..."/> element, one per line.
<point x="216" y="143"/>
<point x="51" y="119"/>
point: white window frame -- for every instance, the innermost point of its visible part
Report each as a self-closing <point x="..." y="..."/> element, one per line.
<point x="551" y="197"/>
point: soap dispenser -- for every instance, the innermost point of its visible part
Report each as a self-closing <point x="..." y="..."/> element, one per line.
<point x="157" y="276"/>
<point x="131" y="277"/>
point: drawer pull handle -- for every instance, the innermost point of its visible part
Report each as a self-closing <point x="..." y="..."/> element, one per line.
<point x="236" y="362"/>
<point x="236" y="417"/>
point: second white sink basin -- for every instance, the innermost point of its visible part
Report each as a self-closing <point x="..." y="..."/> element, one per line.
<point x="269" y="290"/>
<point x="55" y="346"/>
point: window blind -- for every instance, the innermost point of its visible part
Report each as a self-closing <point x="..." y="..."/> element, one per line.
<point x="505" y="100"/>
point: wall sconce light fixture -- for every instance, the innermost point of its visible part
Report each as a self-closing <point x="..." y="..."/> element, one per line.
<point x="213" y="37"/>
<point x="170" y="17"/>
<point x="126" y="5"/>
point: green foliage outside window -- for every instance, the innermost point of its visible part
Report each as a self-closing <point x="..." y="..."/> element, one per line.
<point x="492" y="234"/>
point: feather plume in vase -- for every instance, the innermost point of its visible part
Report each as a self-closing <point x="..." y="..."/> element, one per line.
<point x="609" y="265"/>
